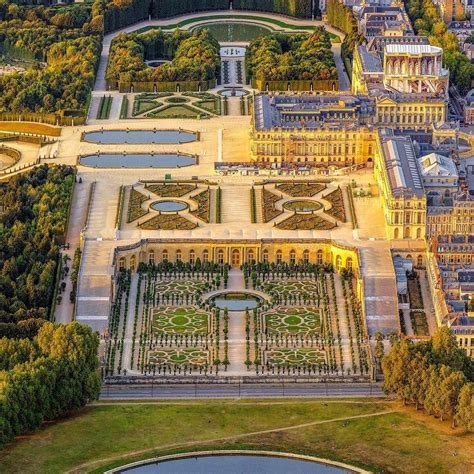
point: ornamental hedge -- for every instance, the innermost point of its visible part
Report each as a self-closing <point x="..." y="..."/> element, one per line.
<point x="295" y="8"/>
<point x="193" y="56"/>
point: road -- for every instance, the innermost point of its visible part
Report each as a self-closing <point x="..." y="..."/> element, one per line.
<point x="214" y="391"/>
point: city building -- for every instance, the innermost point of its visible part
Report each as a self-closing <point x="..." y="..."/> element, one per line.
<point x="400" y="184"/>
<point x="451" y="275"/>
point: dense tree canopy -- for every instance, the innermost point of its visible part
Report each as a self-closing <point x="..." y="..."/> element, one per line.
<point x="64" y="55"/>
<point x="436" y="375"/>
<point x="32" y="222"/>
<point x="47" y="377"/>
<point x="194" y="56"/>
<point x="280" y="57"/>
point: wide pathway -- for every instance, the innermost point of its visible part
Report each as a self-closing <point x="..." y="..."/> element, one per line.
<point x="64" y="312"/>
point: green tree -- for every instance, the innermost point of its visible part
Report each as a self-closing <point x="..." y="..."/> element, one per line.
<point x="465" y="409"/>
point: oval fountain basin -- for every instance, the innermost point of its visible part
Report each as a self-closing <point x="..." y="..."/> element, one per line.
<point x="301" y="205"/>
<point x="168" y="206"/>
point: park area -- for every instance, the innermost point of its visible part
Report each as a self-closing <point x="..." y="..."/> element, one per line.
<point x="377" y="435"/>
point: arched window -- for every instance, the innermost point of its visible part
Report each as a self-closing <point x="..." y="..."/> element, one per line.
<point x="165" y="256"/>
<point x="349" y="263"/>
<point x="192" y="256"/>
<point x="395" y="233"/>
<point x="338" y="262"/>
<point x="250" y="256"/>
<point x="122" y="263"/>
<point x="319" y="257"/>
<point x="151" y="257"/>
<point x="306" y="257"/>
<point x="409" y="257"/>
<point x="292" y="256"/>
<point x="265" y="256"/>
<point x="205" y="256"/>
<point x="419" y="260"/>
<point x="278" y="256"/>
<point x="407" y="233"/>
<point x="418" y="233"/>
<point x="178" y="255"/>
<point x="220" y="256"/>
<point x="133" y="262"/>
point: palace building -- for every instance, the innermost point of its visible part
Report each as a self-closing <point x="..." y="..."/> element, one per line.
<point x="315" y="130"/>
<point x="402" y="195"/>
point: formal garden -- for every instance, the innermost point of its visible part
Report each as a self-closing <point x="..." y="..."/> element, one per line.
<point x="308" y="321"/>
<point x="188" y="206"/>
<point x="193" y="105"/>
<point x="311" y="210"/>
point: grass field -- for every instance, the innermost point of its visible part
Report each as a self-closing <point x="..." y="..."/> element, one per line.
<point x="270" y="21"/>
<point x="388" y="438"/>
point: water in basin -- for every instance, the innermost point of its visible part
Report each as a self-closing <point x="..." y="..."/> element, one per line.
<point x="137" y="160"/>
<point x="140" y="136"/>
<point x="168" y="206"/>
<point x="237" y="464"/>
<point x="236" y="301"/>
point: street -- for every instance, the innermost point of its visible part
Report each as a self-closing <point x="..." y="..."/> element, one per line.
<point x="280" y="390"/>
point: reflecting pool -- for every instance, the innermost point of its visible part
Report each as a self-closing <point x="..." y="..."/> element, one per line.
<point x="137" y="160"/>
<point x="236" y="301"/>
<point x="140" y="136"/>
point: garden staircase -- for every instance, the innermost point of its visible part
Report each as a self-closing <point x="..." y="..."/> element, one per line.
<point x="236" y="205"/>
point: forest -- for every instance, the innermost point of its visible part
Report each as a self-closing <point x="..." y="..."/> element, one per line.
<point x="193" y="56"/>
<point x="46" y="370"/>
<point x="32" y="224"/>
<point x="280" y="57"/>
<point x="427" y="21"/>
<point x="64" y="55"/>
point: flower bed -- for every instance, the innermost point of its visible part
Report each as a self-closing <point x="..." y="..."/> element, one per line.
<point x="305" y="222"/>
<point x="337" y="209"/>
<point x="301" y="189"/>
<point x="170" y="190"/>
<point x="269" y="211"/>
<point x="419" y="323"/>
<point x="135" y="210"/>
<point x="203" y="201"/>
<point x="303" y="321"/>
<point x="184" y="320"/>
<point x="168" y="222"/>
<point x="414" y="292"/>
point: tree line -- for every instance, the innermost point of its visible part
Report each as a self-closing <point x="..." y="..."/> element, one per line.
<point x="32" y="224"/>
<point x="280" y="57"/>
<point x="193" y="56"/>
<point x="46" y="377"/>
<point x="427" y="21"/>
<point x="436" y="375"/>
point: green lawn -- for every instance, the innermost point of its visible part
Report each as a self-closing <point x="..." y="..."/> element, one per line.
<point x="110" y="435"/>
<point x="176" y="111"/>
<point x="272" y="21"/>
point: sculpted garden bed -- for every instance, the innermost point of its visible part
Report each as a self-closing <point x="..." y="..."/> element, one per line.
<point x="305" y="222"/>
<point x="203" y="201"/>
<point x="269" y="210"/>
<point x="337" y="209"/>
<point x="171" y="190"/>
<point x="135" y="210"/>
<point x="168" y="222"/>
<point x="301" y="189"/>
